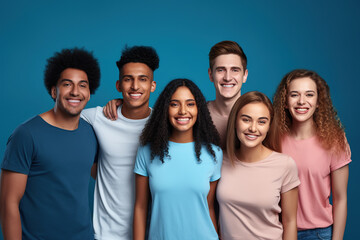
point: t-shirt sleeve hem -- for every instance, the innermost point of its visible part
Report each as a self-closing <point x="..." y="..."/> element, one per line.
<point x="290" y="186"/>
<point x="139" y="172"/>
<point x="340" y="165"/>
<point x="214" y="178"/>
<point x="14" y="169"/>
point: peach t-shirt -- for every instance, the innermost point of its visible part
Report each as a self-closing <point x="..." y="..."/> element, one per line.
<point x="315" y="165"/>
<point x="249" y="196"/>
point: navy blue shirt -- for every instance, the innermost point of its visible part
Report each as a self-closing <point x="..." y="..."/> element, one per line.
<point x="58" y="162"/>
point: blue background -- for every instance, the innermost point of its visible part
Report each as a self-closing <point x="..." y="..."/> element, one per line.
<point x="277" y="36"/>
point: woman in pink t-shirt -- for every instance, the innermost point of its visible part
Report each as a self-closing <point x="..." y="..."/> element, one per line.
<point x="257" y="184"/>
<point x="308" y="128"/>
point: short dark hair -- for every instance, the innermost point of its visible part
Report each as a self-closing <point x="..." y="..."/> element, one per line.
<point x="77" y="58"/>
<point x="158" y="129"/>
<point x="227" y="47"/>
<point x="139" y="54"/>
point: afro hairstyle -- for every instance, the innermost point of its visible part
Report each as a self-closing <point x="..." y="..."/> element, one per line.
<point x="139" y="54"/>
<point x="72" y="58"/>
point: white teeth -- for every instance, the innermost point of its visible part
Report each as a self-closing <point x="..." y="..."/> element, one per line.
<point x="227" y="85"/>
<point x="301" y="109"/>
<point x="183" y="119"/>
<point x="73" y="101"/>
<point x="135" y="94"/>
<point x="251" y="136"/>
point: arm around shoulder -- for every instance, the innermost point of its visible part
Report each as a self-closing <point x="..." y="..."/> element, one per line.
<point x="12" y="188"/>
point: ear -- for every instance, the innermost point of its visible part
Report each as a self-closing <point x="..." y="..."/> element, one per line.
<point x="210" y="75"/>
<point x="245" y="76"/>
<point x="53" y="93"/>
<point x="153" y="86"/>
<point x="118" y="85"/>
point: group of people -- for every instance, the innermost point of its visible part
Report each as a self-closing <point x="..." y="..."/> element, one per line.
<point x="238" y="167"/>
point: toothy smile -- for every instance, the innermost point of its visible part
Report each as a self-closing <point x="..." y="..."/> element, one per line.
<point x="227" y="85"/>
<point x="301" y="110"/>
<point x="182" y="120"/>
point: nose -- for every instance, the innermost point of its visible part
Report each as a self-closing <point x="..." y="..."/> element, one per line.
<point x="301" y="99"/>
<point x="227" y="76"/>
<point x="182" y="109"/>
<point x="135" y="85"/>
<point x="252" y="127"/>
<point x="75" y="90"/>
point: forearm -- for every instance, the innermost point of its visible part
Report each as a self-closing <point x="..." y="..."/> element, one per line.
<point x="11" y="222"/>
<point x="290" y="230"/>
<point x="139" y="225"/>
<point x="213" y="218"/>
<point x="339" y="215"/>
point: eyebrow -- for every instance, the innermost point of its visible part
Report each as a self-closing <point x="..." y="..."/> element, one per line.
<point x="244" y="115"/>
<point x="132" y="76"/>
<point x="69" y="80"/>
<point x="305" y="91"/>
<point x="232" y="67"/>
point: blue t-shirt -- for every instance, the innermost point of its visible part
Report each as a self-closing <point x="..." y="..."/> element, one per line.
<point x="55" y="204"/>
<point x="179" y="189"/>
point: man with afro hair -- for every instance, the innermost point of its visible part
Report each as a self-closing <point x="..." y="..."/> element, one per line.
<point x="118" y="142"/>
<point x="48" y="159"/>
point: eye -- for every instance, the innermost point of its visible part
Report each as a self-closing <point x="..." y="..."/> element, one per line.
<point x="173" y="104"/>
<point x="262" y="122"/>
<point x="310" y="94"/>
<point x="126" y="79"/>
<point x="83" y="85"/>
<point x="66" y="84"/>
<point x="143" y="79"/>
<point x="236" y="70"/>
<point x="219" y="70"/>
<point x="191" y="104"/>
<point x="246" y="120"/>
<point x="294" y="95"/>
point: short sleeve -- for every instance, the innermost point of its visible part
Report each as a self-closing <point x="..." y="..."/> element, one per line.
<point x="291" y="178"/>
<point x="218" y="164"/>
<point x="19" y="151"/>
<point x="341" y="159"/>
<point x="89" y="114"/>
<point x="142" y="157"/>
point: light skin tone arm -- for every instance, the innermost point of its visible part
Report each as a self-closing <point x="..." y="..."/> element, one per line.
<point x="289" y="201"/>
<point x="110" y="109"/>
<point x="339" y="182"/>
<point x="211" y="202"/>
<point x="12" y="190"/>
<point x="141" y="207"/>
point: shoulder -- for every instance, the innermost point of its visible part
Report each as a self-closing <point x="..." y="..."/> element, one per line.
<point x="90" y="114"/>
<point x="284" y="160"/>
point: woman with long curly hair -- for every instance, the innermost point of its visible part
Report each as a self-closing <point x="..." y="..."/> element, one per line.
<point x="178" y="163"/>
<point x="257" y="183"/>
<point x="309" y="130"/>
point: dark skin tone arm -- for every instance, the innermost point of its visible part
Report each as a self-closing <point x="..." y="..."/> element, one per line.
<point x="141" y="206"/>
<point x="12" y="190"/>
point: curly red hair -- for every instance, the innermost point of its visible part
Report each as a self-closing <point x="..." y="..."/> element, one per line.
<point x="329" y="129"/>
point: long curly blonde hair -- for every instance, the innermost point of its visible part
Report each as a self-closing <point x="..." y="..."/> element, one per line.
<point x="329" y="129"/>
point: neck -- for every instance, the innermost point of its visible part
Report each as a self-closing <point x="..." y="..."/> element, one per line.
<point x="55" y="118"/>
<point x="303" y="130"/>
<point x="253" y="154"/>
<point x="223" y="105"/>
<point x="182" y="137"/>
<point x="136" y="113"/>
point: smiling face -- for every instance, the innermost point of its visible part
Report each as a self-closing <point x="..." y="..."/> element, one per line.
<point x="228" y="75"/>
<point x="71" y="92"/>
<point x="302" y="99"/>
<point x="136" y="83"/>
<point x="252" y="125"/>
<point x="182" y="114"/>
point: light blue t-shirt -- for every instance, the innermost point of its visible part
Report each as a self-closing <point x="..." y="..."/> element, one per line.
<point x="179" y="189"/>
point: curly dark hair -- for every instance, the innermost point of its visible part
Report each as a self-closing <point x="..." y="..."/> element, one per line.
<point x="329" y="129"/>
<point x="77" y="58"/>
<point x="158" y="128"/>
<point x="139" y="54"/>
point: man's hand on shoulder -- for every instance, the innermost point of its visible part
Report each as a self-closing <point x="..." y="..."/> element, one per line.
<point x="110" y="109"/>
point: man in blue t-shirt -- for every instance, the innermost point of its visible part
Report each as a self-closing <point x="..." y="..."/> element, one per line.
<point x="48" y="159"/>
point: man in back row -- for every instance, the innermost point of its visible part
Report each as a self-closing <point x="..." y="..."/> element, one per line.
<point x="114" y="196"/>
<point x="47" y="162"/>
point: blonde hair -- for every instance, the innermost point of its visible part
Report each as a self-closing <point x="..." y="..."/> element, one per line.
<point x="232" y="141"/>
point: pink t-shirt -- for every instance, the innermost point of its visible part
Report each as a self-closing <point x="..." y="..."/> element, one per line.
<point x="315" y="165"/>
<point x="220" y="122"/>
<point x="249" y="196"/>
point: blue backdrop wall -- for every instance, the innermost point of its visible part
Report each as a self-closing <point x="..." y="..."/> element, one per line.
<point x="277" y="36"/>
